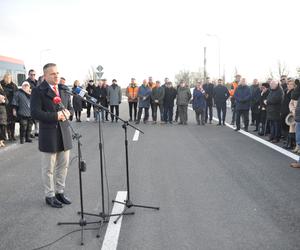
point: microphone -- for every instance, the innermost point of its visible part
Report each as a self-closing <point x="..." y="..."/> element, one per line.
<point x="83" y="93"/>
<point x="79" y="92"/>
<point x="66" y="89"/>
<point x="57" y="100"/>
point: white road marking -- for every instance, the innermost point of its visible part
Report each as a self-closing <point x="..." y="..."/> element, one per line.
<point x="136" y="135"/>
<point x="266" y="143"/>
<point x="110" y="241"/>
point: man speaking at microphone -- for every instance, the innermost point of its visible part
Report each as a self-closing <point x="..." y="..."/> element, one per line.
<point x="55" y="139"/>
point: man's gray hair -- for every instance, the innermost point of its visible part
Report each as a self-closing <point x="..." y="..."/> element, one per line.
<point x="47" y="66"/>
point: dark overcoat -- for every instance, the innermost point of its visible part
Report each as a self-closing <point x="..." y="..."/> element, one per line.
<point x="77" y="101"/>
<point x="242" y="97"/>
<point x="274" y="101"/>
<point x="221" y="94"/>
<point x="54" y="135"/>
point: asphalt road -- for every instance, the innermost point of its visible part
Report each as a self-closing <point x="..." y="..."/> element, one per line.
<point x="216" y="189"/>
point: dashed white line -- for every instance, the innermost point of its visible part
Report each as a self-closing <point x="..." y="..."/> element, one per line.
<point x="111" y="238"/>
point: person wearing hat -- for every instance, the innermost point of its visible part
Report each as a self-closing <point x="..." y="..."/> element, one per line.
<point x="114" y="98"/>
<point x="157" y="97"/>
<point x="21" y="109"/>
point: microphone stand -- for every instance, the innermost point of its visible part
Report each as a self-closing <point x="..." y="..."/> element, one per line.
<point x="82" y="168"/>
<point x="103" y="215"/>
<point x="128" y="202"/>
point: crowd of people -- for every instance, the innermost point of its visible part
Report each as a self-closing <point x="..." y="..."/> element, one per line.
<point x="270" y="103"/>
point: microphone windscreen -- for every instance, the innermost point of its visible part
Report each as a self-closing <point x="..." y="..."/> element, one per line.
<point x="57" y="100"/>
<point x="77" y="90"/>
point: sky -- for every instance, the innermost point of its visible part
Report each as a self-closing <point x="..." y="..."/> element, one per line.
<point x="158" y="38"/>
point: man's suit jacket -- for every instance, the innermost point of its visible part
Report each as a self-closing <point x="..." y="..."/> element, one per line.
<point x="54" y="135"/>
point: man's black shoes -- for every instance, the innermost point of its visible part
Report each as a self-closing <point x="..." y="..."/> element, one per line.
<point x="53" y="202"/>
<point x="63" y="199"/>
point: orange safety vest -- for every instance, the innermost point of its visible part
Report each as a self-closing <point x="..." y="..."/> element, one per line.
<point x="233" y="88"/>
<point x="132" y="93"/>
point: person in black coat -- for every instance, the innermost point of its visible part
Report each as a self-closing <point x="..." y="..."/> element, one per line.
<point x="221" y="94"/>
<point x="209" y="90"/>
<point x="10" y="89"/>
<point x="262" y="128"/>
<point x="31" y="79"/>
<point x="255" y="98"/>
<point x="103" y="98"/>
<point x="168" y="102"/>
<point x="55" y="140"/>
<point x="77" y="102"/>
<point x="274" y="101"/>
<point x="33" y="83"/>
<point x="90" y="88"/>
<point x="242" y="97"/>
<point x="21" y="103"/>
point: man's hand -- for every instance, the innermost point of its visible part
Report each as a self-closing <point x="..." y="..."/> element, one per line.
<point x="67" y="113"/>
<point x="63" y="115"/>
<point x="60" y="116"/>
<point x="2" y="99"/>
<point x="14" y="113"/>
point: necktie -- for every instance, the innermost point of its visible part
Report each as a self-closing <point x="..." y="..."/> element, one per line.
<point x="55" y="90"/>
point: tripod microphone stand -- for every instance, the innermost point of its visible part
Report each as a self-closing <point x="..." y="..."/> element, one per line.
<point x="128" y="202"/>
<point x="82" y="168"/>
<point x="102" y="214"/>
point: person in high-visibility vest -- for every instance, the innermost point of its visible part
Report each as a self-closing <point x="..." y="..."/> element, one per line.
<point x="132" y="95"/>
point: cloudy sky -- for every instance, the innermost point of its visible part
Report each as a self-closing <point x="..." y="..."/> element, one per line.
<point x="139" y="38"/>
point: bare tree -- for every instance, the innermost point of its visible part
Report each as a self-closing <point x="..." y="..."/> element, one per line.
<point x="183" y="75"/>
<point x="90" y="75"/>
<point x="191" y="78"/>
<point x="271" y="74"/>
<point x="282" y="69"/>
